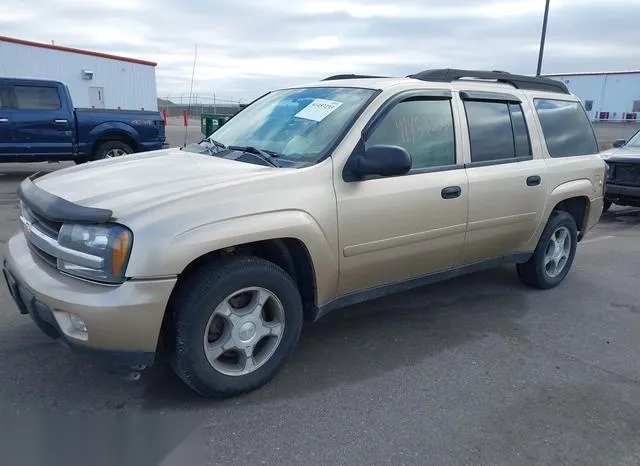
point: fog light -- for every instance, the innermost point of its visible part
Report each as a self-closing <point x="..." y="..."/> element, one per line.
<point x="78" y="323"/>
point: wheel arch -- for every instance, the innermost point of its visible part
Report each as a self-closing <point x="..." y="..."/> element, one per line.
<point x="290" y="254"/>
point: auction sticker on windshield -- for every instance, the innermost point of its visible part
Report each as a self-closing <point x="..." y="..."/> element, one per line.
<point x="318" y="110"/>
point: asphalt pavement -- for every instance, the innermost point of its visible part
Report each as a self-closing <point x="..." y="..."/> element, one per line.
<point x="477" y="370"/>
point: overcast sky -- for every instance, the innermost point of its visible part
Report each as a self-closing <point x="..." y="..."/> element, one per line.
<point x="246" y="47"/>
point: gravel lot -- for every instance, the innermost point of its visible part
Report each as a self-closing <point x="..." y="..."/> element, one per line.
<point x="478" y="370"/>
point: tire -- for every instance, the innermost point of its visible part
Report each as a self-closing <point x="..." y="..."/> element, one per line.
<point x="607" y="205"/>
<point x="112" y="149"/>
<point x="537" y="272"/>
<point x="197" y="306"/>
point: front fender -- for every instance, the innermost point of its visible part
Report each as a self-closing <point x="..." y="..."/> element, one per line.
<point x="183" y="248"/>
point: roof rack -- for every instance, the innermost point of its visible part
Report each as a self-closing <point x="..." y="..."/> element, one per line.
<point x="350" y="76"/>
<point x="516" y="80"/>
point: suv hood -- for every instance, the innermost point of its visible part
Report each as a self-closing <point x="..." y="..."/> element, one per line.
<point x="137" y="180"/>
<point x="621" y="153"/>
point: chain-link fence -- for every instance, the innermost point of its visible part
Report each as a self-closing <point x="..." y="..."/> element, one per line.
<point x="197" y="105"/>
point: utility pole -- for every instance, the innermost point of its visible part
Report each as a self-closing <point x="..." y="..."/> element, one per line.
<point x="542" y="38"/>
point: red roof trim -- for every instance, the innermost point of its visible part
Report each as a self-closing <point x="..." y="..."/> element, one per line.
<point x="592" y="73"/>
<point x="72" y="50"/>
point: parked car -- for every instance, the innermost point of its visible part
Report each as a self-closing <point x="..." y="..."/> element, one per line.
<point x="623" y="174"/>
<point x="38" y="123"/>
<point x="310" y="199"/>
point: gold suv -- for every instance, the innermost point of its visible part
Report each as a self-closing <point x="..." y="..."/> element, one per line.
<point x="311" y="198"/>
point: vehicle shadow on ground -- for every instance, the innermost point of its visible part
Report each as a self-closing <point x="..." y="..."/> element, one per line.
<point x="368" y="340"/>
<point x="622" y="216"/>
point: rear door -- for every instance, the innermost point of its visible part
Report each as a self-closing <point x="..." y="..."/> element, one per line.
<point x="5" y="122"/>
<point x="507" y="174"/>
<point x="40" y="120"/>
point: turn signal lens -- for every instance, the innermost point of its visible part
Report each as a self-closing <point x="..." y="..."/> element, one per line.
<point x="120" y="253"/>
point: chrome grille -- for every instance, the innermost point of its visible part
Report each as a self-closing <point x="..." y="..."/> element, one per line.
<point x="46" y="226"/>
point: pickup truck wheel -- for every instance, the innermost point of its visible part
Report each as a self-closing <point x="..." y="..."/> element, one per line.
<point x="111" y="149"/>
<point x="236" y="323"/>
<point x="554" y="253"/>
<point x="607" y="205"/>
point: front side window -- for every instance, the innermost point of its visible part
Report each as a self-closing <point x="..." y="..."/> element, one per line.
<point x="424" y="127"/>
<point x="296" y="124"/>
<point x="566" y="128"/>
<point x="497" y="131"/>
<point x="36" y="97"/>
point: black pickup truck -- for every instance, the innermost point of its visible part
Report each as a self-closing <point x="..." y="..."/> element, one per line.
<point x="623" y="174"/>
<point x="39" y="123"/>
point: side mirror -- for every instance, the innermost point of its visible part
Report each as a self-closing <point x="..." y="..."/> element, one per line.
<point x="383" y="160"/>
<point x="619" y="142"/>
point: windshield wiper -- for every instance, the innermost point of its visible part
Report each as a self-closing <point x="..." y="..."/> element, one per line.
<point x="259" y="153"/>
<point x="213" y="143"/>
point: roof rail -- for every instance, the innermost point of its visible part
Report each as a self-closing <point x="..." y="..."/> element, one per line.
<point x="350" y="76"/>
<point x="516" y="80"/>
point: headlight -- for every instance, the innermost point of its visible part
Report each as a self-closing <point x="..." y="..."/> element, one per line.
<point x="111" y="243"/>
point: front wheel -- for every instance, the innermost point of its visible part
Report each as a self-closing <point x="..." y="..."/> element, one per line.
<point x="553" y="256"/>
<point x="607" y="205"/>
<point x="236" y="323"/>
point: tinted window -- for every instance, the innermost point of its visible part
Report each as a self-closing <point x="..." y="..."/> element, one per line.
<point x="520" y="131"/>
<point x="497" y="131"/>
<point x="423" y="127"/>
<point x="36" y="98"/>
<point x="566" y="128"/>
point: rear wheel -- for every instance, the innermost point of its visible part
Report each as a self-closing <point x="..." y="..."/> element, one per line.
<point x="553" y="256"/>
<point x="236" y="323"/>
<point x="112" y="149"/>
<point x="607" y="205"/>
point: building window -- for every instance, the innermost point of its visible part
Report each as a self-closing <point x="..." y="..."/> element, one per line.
<point x="497" y="131"/>
<point x="588" y="105"/>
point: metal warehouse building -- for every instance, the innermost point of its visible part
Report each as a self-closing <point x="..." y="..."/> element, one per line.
<point x="613" y="96"/>
<point x="94" y="79"/>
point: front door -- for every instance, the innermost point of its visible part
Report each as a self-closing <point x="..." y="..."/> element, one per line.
<point x="6" y="142"/>
<point x="507" y="183"/>
<point x="96" y="97"/>
<point x="41" y="125"/>
<point x="393" y="229"/>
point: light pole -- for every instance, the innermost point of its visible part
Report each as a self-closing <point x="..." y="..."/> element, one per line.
<point x="542" y="38"/>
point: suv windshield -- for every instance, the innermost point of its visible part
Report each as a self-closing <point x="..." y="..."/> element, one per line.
<point x="296" y="124"/>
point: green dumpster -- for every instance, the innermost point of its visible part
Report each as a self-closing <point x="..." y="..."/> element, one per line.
<point x="209" y="122"/>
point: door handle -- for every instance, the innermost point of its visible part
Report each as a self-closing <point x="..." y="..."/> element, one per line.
<point x="533" y="180"/>
<point x="61" y="122"/>
<point x="4" y="120"/>
<point x="451" y="192"/>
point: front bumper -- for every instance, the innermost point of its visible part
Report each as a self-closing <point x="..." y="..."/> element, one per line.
<point x="122" y="322"/>
<point x="623" y="194"/>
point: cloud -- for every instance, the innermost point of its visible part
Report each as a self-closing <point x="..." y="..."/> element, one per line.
<point x="246" y="47"/>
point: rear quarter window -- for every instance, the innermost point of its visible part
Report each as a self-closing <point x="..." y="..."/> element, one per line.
<point x="566" y="128"/>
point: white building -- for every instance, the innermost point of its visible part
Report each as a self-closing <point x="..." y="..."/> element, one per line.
<point x="606" y="95"/>
<point x="95" y="80"/>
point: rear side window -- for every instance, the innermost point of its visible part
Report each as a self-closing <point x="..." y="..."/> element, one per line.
<point x="36" y="98"/>
<point x="497" y="131"/>
<point x="566" y="128"/>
